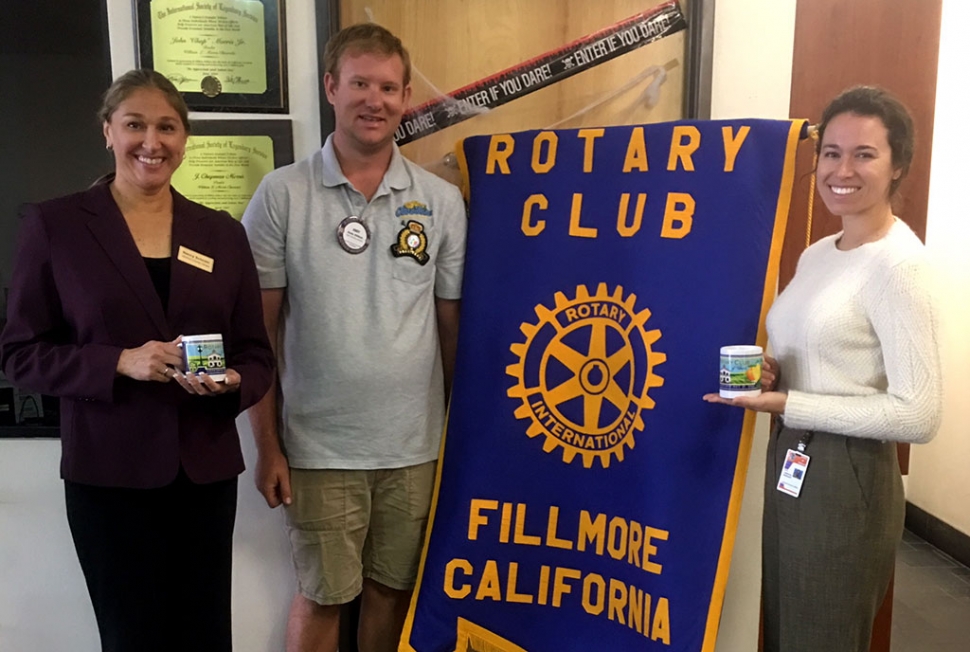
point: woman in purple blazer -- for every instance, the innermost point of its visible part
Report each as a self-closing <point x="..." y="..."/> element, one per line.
<point x="105" y="283"/>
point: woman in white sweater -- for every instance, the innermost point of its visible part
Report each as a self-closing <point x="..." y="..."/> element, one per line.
<point x="856" y="370"/>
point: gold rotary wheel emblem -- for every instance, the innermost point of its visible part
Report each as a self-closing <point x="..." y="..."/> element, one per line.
<point x="584" y="373"/>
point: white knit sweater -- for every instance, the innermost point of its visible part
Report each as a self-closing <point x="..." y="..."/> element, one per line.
<point x="855" y="335"/>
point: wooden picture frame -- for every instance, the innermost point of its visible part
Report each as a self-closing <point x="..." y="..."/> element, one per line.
<point x="694" y="92"/>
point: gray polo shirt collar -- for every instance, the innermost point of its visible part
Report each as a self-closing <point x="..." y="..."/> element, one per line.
<point x="396" y="177"/>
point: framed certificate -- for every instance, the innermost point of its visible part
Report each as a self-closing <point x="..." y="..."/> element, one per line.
<point x="226" y="159"/>
<point x="222" y="55"/>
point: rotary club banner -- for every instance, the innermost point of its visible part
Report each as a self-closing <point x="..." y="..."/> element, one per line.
<point x="587" y="498"/>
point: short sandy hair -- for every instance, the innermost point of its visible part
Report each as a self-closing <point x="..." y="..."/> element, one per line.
<point x="364" y="37"/>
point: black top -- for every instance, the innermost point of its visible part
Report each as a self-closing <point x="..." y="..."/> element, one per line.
<point x="160" y="269"/>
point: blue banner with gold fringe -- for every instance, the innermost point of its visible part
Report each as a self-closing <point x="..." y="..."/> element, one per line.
<point x="587" y="499"/>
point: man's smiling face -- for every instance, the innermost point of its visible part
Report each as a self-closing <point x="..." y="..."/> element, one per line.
<point x="369" y="97"/>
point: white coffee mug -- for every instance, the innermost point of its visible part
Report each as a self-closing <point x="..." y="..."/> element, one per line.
<point x="740" y="373"/>
<point x="204" y="354"/>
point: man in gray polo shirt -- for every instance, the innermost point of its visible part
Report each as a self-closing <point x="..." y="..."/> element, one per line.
<point x="360" y="256"/>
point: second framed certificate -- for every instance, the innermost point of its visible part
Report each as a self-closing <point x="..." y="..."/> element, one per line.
<point x="223" y="55"/>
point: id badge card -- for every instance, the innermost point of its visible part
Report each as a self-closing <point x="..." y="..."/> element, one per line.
<point x="793" y="473"/>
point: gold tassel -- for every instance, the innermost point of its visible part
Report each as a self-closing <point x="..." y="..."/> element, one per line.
<point x="813" y="132"/>
<point x="475" y="638"/>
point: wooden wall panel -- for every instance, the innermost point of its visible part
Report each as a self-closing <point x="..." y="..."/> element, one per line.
<point x="456" y="43"/>
<point x="841" y="43"/>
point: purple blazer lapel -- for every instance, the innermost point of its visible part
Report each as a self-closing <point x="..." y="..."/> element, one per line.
<point x="109" y="229"/>
<point x="189" y="231"/>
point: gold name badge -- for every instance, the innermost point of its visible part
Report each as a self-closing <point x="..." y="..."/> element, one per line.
<point x="195" y="259"/>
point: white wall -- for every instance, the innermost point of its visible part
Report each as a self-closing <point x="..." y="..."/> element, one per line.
<point x="754" y="44"/>
<point x="938" y="481"/>
<point x="753" y="50"/>
<point x="43" y="604"/>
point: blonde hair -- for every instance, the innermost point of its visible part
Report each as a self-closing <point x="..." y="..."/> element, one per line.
<point x="364" y="37"/>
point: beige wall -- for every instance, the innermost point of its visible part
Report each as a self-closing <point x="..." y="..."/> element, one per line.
<point x="939" y="481"/>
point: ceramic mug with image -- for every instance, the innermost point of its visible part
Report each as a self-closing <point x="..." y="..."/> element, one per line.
<point x="740" y="373"/>
<point x="204" y="353"/>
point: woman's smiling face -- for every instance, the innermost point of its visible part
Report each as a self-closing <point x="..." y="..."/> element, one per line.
<point x="148" y="139"/>
<point x="855" y="166"/>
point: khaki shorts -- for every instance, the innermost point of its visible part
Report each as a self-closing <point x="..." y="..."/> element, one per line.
<point x="345" y="525"/>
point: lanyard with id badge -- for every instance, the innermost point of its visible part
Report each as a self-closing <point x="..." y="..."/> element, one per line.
<point x="794" y="469"/>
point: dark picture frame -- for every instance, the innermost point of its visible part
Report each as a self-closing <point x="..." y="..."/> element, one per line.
<point x="274" y="100"/>
<point x="53" y="46"/>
